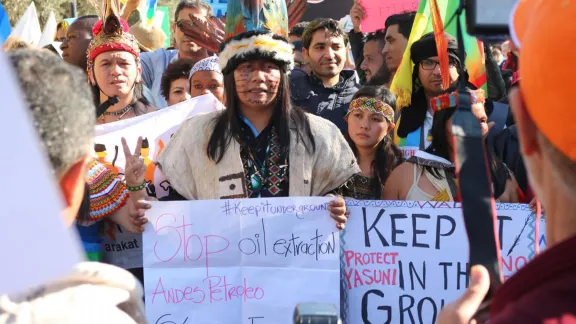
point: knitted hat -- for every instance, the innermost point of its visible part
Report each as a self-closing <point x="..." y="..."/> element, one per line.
<point x="111" y="34"/>
<point x="256" y="29"/>
<point x="425" y="48"/>
<point x="107" y="191"/>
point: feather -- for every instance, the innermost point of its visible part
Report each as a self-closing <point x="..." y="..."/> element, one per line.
<point x="256" y="15"/>
<point x="441" y="43"/>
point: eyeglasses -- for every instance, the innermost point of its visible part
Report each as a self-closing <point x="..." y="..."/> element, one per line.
<point x="429" y="64"/>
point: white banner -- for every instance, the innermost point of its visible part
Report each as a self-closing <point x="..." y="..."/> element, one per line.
<point x="239" y="261"/>
<point x="122" y="248"/>
<point x="403" y="260"/>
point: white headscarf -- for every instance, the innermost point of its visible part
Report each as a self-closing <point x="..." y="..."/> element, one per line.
<point x="207" y="64"/>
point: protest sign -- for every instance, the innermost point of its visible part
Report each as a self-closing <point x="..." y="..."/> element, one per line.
<point x="403" y="260"/>
<point x="334" y="9"/>
<point x="36" y="246"/>
<point x="122" y="248"/>
<point x="377" y="11"/>
<point x="239" y="261"/>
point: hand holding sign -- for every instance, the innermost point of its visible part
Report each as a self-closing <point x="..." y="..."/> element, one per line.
<point x="338" y="211"/>
<point x="462" y="310"/>
<point x="135" y="168"/>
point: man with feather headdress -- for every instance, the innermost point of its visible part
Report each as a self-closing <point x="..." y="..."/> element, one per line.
<point x="260" y="146"/>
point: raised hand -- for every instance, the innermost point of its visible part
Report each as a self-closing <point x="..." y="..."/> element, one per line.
<point x="206" y="33"/>
<point x="357" y="14"/>
<point x="296" y="9"/>
<point x="129" y="7"/>
<point x="135" y="169"/>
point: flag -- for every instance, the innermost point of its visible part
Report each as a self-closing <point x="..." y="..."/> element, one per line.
<point x="50" y="29"/>
<point x="28" y="27"/>
<point x="402" y="83"/>
<point x="5" y="28"/>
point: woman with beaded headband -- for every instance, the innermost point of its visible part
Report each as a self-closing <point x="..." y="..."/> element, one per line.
<point x="430" y="175"/>
<point x="114" y="70"/>
<point x="260" y="146"/>
<point x="370" y="121"/>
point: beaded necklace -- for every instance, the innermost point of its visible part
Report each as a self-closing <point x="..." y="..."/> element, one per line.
<point x="120" y="113"/>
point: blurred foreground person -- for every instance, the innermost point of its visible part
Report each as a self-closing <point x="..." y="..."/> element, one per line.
<point x="13" y="43"/>
<point x="94" y="292"/>
<point x="544" y="290"/>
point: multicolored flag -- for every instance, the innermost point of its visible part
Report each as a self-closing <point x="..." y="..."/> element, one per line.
<point x="402" y="83"/>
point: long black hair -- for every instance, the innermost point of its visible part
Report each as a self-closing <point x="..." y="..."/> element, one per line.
<point x="441" y="147"/>
<point x="284" y="117"/>
<point x="388" y="155"/>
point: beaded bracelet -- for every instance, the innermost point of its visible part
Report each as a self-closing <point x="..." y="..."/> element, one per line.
<point x="137" y="188"/>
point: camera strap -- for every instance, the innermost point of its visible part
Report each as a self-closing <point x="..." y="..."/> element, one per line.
<point x="475" y="186"/>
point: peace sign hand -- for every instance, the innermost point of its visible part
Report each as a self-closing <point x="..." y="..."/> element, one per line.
<point x="135" y="169"/>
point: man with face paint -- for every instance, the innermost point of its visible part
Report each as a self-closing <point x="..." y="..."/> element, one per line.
<point x="260" y="146"/>
<point x="328" y="90"/>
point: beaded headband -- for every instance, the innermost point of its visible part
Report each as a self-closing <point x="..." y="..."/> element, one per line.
<point x="450" y="100"/>
<point x="372" y="105"/>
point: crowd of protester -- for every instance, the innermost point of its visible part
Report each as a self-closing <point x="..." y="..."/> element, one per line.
<point x="307" y="123"/>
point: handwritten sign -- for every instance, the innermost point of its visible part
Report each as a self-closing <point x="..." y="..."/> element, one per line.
<point x="239" y="261"/>
<point x="377" y="11"/>
<point x="122" y="248"/>
<point x="403" y="261"/>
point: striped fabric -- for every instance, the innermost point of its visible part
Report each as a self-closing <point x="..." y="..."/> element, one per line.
<point x="107" y="191"/>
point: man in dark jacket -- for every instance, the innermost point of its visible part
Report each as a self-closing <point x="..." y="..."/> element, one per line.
<point x="328" y="90"/>
<point x="544" y="290"/>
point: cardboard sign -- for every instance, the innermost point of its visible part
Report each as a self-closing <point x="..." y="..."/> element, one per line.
<point x="377" y="11"/>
